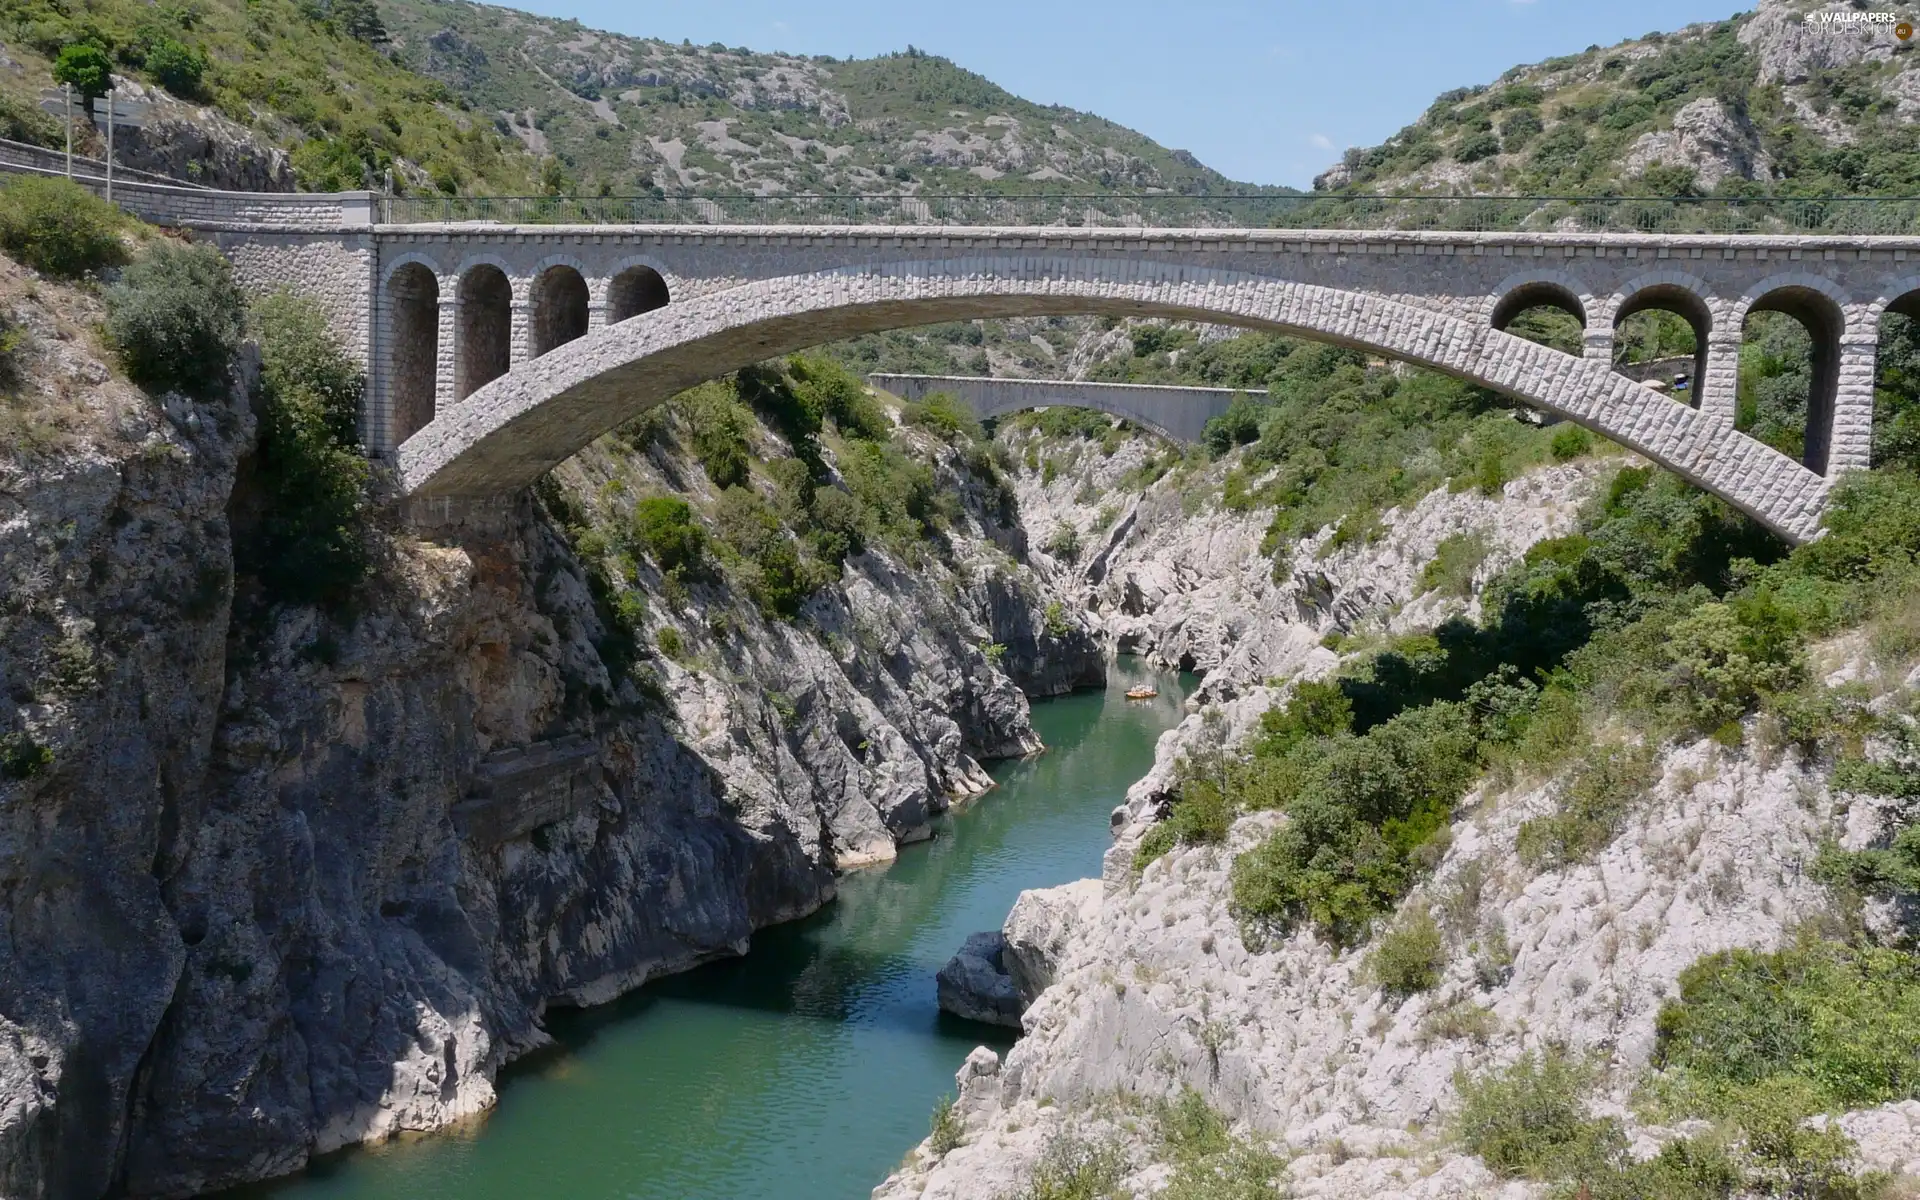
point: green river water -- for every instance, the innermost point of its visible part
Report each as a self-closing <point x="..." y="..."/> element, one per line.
<point x="808" y="1068"/>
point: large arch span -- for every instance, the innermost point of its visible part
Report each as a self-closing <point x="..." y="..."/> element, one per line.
<point x="519" y="426"/>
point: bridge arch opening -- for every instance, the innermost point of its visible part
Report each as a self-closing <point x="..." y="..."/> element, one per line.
<point x="1544" y="312"/>
<point x="560" y="305"/>
<point x="1896" y="384"/>
<point x="634" y="291"/>
<point x="1790" y="373"/>
<point x="413" y="349"/>
<point x="485" y="348"/>
<point x="1661" y="331"/>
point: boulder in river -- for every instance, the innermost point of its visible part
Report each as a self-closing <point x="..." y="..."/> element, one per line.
<point x="975" y="984"/>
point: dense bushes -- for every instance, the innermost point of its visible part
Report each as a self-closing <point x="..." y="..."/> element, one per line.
<point x="306" y="545"/>
<point x="1667" y="614"/>
<point x="764" y="555"/>
<point x="780" y="526"/>
<point x="719" y="424"/>
<point x="1840" y="1022"/>
<point x="60" y="228"/>
<point x="178" y="68"/>
<point x="1359" y="808"/>
<point x="1531" y="1121"/>
<point x="944" y="414"/>
<point x="666" y="529"/>
<point x="176" y="318"/>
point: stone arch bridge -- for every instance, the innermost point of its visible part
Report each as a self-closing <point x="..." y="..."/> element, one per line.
<point x="495" y="351"/>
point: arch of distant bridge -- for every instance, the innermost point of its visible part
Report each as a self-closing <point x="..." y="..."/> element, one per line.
<point x="522" y="423"/>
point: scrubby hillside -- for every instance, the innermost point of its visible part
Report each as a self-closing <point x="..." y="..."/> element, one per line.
<point x="1763" y="103"/>
<point x="1536" y="837"/>
<point x="477" y="99"/>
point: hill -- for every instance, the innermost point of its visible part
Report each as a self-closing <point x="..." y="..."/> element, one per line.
<point x="467" y="98"/>
<point x="1764" y="103"/>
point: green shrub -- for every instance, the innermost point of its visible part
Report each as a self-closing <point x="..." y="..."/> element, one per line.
<point x="1200" y="813"/>
<point x="23" y="758"/>
<point x="1722" y="659"/>
<point x="1839" y="1020"/>
<point x="1529" y="1121"/>
<point x="1316" y="708"/>
<point x="178" y="68"/>
<point x="669" y="641"/>
<point x="720" y="428"/>
<point x="1476" y="146"/>
<point x="1054" y="619"/>
<point x="1570" y="442"/>
<point x="1409" y="957"/>
<point x="1454" y="562"/>
<point x="947" y="1130"/>
<point x="1592" y="806"/>
<point x="176" y="319"/>
<point x="840" y="395"/>
<point x="1209" y="1163"/>
<point x="895" y="493"/>
<point x="1064" y="544"/>
<point x="767" y="559"/>
<point x="86" y="67"/>
<point x="1358" y="808"/>
<point x="1071" y="1168"/>
<point x="666" y="529"/>
<point x="59" y="228"/>
<point x="944" y="414"/>
<point x="308" y="544"/>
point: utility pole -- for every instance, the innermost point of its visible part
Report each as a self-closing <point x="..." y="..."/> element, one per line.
<point x="109" y="145"/>
<point x="66" y="91"/>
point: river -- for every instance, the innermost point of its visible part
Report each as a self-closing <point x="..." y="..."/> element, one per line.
<point x="808" y="1068"/>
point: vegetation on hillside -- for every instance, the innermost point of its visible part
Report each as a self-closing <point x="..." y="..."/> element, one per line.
<point x="315" y="75"/>
<point x="804" y="471"/>
<point x="1566" y="127"/>
<point x="627" y="114"/>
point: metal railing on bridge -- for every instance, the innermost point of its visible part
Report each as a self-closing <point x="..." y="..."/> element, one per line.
<point x="1842" y="215"/>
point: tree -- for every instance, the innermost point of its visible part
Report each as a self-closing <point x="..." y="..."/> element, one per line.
<point x="87" y="68"/>
<point x="177" y="67"/>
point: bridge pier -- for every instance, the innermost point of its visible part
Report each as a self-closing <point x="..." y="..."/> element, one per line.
<point x="445" y="370"/>
<point x="1719" y="384"/>
<point x="1850" y="447"/>
<point x="520" y="329"/>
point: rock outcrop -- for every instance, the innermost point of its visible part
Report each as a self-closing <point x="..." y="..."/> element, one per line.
<point x="975" y="984"/>
<point x="1706" y="139"/>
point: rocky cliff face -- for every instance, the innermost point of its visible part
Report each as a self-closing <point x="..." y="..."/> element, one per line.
<point x="275" y="889"/>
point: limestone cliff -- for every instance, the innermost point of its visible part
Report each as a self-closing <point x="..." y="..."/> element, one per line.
<point x="274" y="887"/>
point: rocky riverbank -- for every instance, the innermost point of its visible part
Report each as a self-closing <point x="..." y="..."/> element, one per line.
<point x="1145" y="985"/>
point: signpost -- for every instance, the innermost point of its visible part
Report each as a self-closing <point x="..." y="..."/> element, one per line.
<point x="121" y="111"/>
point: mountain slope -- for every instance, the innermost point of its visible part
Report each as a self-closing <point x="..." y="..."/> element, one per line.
<point x="627" y="112"/>
<point x="475" y="99"/>
<point x="1766" y="102"/>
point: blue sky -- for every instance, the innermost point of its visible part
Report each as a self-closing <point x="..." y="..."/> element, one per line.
<point x="1265" y="92"/>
